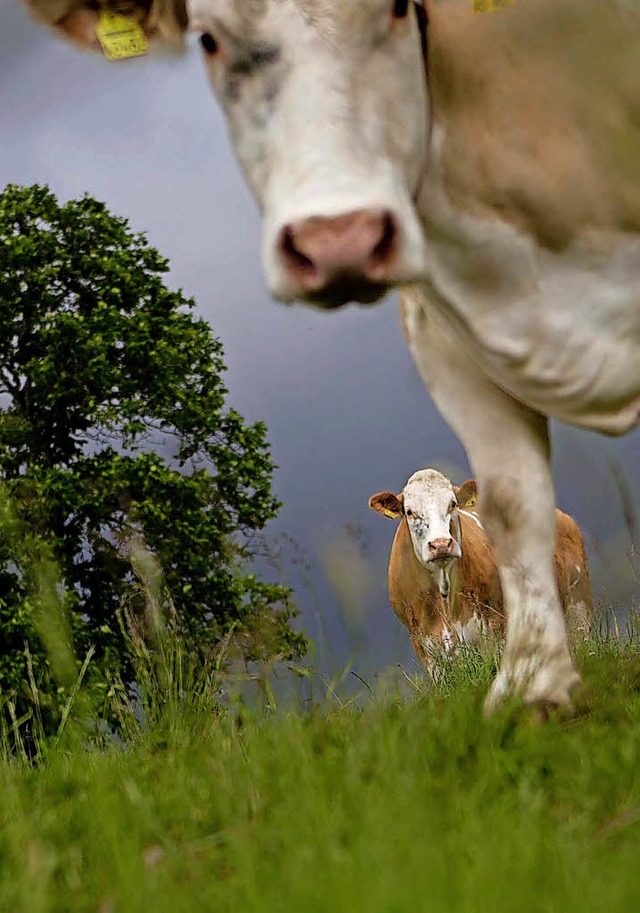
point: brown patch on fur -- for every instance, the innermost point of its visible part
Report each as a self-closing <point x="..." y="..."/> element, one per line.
<point x="541" y="109"/>
<point x="572" y="574"/>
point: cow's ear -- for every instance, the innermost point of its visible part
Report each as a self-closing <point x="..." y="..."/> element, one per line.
<point x="467" y="493"/>
<point x="86" y="22"/>
<point x="387" y="504"/>
<point x="81" y="28"/>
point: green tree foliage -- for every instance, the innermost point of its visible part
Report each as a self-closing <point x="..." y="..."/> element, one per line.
<point x="114" y="428"/>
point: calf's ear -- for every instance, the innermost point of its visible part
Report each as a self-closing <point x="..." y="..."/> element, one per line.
<point x="81" y="21"/>
<point x="387" y="504"/>
<point x="467" y="493"/>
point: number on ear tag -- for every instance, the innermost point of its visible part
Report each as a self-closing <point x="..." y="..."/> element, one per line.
<point x="120" y="36"/>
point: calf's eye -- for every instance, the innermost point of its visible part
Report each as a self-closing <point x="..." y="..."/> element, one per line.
<point x="400" y="9"/>
<point x="209" y="44"/>
<point x="409" y="513"/>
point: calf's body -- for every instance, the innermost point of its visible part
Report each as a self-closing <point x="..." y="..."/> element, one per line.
<point x="473" y="608"/>
<point x="450" y="592"/>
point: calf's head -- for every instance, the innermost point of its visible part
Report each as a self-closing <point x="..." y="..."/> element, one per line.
<point x="327" y="110"/>
<point x="429" y="505"/>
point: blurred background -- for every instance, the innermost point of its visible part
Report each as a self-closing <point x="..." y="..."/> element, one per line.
<point x="346" y="411"/>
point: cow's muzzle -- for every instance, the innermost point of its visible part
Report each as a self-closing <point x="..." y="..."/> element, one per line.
<point x="441" y="549"/>
<point x="331" y="261"/>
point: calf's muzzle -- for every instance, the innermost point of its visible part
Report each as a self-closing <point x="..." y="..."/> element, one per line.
<point x="441" y="548"/>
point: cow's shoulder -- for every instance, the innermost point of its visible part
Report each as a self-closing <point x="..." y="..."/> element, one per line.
<point x="405" y="571"/>
<point x="413" y="592"/>
<point x="477" y="586"/>
<point x="568" y="534"/>
<point x="570" y="555"/>
<point x="540" y="137"/>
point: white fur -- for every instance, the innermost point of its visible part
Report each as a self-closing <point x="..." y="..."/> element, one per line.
<point x="471" y="516"/>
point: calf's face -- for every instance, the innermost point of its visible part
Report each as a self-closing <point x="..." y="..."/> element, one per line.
<point x="326" y="106"/>
<point x="429" y="505"/>
<point x="430" y="509"/>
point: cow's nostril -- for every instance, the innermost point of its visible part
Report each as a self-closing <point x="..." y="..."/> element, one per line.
<point x="385" y="249"/>
<point x="296" y="260"/>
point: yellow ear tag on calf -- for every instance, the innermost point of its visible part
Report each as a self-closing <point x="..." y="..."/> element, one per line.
<point x="120" y="36"/>
<point x="390" y="513"/>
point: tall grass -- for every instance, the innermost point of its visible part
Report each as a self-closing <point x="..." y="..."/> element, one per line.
<point x="404" y="803"/>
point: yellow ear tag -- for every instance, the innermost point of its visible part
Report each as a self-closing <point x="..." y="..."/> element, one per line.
<point x="490" y="6"/>
<point x="120" y="36"/>
<point x="390" y="513"/>
<point x="472" y="501"/>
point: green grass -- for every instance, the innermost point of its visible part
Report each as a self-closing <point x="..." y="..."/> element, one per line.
<point x="415" y="804"/>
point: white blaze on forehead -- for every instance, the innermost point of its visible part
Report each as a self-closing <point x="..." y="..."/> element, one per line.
<point x="428" y="492"/>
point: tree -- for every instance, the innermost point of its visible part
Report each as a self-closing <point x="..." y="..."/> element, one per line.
<point x="113" y="427"/>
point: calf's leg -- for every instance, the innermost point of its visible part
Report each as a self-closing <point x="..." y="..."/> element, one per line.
<point x="508" y="448"/>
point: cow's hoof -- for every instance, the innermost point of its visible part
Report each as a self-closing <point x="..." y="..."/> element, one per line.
<point x="545" y="688"/>
<point x="578" y="707"/>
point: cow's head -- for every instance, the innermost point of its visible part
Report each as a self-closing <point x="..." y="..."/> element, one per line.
<point x="325" y="101"/>
<point x="327" y="110"/>
<point x="429" y="505"/>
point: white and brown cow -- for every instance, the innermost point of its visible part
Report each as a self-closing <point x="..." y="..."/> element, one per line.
<point x="489" y="165"/>
<point x="444" y="584"/>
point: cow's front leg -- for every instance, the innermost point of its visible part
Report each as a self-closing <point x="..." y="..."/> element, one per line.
<point x="508" y="448"/>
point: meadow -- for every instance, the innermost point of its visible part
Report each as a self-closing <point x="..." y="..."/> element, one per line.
<point x="398" y="801"/>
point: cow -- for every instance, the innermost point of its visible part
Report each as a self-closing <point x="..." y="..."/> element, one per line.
<point x="488" y="167"/>
<point x="444" y="584"/>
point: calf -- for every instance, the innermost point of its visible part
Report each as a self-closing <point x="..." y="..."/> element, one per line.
<point x="444" y="584"/>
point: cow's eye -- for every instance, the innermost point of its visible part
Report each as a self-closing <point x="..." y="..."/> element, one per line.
<point x="453" y="506"/>
<point x="409" y="512"/>
<point x="209" y="44"/>
<point x="400" y="9"/>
